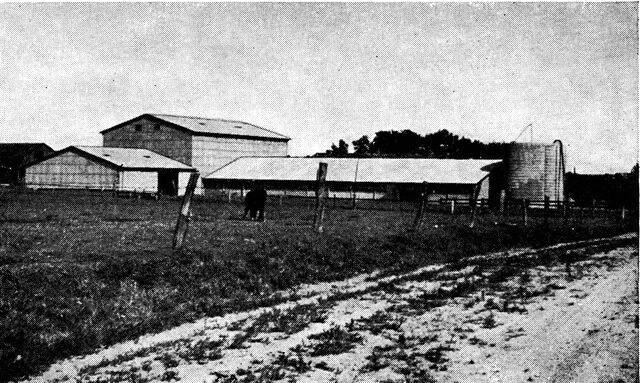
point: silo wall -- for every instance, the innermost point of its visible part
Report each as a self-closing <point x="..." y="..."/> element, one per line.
<point x="534" y="171"/>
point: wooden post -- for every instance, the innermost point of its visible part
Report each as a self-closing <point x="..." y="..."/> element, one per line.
<point x="473" y="201"/>
<point x="547" y="202"/>
<point x="503" y="202"/>
<point x="524" y="212"/>
<point x="334" y="200"/>
<point x="453" y="207"/>
<point x="420" y="211"/>
<point x="229" y="196"/>
<point x="321" y="194"/>
<point x="623" y="213"/>
<point x="353" y="197"/>
<point x="183" y="217"/>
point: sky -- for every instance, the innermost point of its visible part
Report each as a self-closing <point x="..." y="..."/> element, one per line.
<point x="320" y="72"/>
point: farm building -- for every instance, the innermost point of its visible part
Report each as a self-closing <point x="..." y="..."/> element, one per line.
<point x="203" y="143"/>
<point x="122" y="169"/>
<point x="367" y="178"/>
<point x="13" y="158"/>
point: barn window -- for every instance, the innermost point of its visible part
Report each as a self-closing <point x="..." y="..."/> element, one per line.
<point x="146" y="156"/>
<point x="106" y="155"/>
<point x="157" y="127"/>
<point x="202" y="123"/>
<point x="138" y="127"/>
<point x="238" y="127"/>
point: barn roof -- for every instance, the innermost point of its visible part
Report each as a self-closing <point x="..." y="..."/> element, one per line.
<point x="17" y="152"/>
<point x="129" y="158"/>
<point x="363" y="170"/>
<point x="125" y="158"/>
<point x="211" y="126"/>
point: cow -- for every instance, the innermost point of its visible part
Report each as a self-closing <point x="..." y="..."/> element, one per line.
<point x="254" y="204"/>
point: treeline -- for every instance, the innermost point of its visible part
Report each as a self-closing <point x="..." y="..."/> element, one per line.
<point x="614" y="190"/>
<point x="406" y="143"/>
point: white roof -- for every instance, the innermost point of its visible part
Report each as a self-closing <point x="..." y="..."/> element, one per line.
<point x="220" y="126"/>
<point x="132" y="158"/>
<point x="373" y="170"/>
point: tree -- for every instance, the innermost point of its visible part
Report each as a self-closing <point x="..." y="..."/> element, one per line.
<point x="362" y="146"/>
<point x="342" y="150"/>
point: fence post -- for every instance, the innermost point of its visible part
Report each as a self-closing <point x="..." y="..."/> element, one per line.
<point x="524" y="212"/>
<point x="353" y="196"/>
<point x="320" y="197"/>
<point x="473" y="201"/>
<point x="420" y="211"/>
<point x="503" y="202"/>
<point x="183" y="218"/>
<point x="547" y="202"/>
<point x="623" y="213"/>
<point x="453" y="206"/>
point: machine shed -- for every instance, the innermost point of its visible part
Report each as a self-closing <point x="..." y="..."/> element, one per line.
<point x="105" y="168"/>
<point x="392" y="178"/>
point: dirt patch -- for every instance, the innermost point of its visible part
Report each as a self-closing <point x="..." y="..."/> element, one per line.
<point x="491" y="319"/>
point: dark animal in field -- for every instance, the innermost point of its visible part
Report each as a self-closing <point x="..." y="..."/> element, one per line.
<point x="254" y="204"/>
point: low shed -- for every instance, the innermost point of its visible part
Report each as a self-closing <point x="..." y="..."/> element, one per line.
<point x="103" y="168"/>
<point x="14" y="156"/>
<point x="367" y="178"/>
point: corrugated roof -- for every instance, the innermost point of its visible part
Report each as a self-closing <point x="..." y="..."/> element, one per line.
<point x="211" y="126"/>
<point x="128" y="158"/>
<point x="376" y="170"/>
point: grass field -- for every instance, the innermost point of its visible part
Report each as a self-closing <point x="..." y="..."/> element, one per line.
<point x="80" y="271"/>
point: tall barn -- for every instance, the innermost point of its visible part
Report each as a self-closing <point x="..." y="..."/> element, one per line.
<point x="366" y="178"/>
<point x="101" y="168"/>
<point x="13" y="158"/>
<point x="203" y="143"/>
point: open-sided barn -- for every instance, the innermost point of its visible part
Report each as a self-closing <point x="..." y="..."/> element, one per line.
<point x="371" y="178"/>
<point x="122" y="169"/>
<point x="13" y="158"/>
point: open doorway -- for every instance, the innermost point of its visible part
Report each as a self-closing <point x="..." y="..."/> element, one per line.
<point x="168" y="182"/>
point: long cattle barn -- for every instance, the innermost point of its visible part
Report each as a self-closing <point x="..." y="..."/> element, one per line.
<point x="366" y="178"/>
<point x="101" y="168"/>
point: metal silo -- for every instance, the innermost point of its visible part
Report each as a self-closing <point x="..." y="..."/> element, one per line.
<point x="534" y="171"/>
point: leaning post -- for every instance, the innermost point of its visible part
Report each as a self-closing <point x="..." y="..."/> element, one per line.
<point x="474" y="204"/>
<point x="503" y="202"/>
<point x="183" y="218"/>
<point x="420" y="211"/>
<point x="547" y="203"/>
<point x="524" y="212"/>
<point x="321" y="194"/>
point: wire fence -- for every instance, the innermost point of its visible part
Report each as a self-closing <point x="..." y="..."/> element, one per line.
<point x="59" y="222"/>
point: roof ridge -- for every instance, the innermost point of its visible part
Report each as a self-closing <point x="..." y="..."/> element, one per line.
<point x="220" y="120"/>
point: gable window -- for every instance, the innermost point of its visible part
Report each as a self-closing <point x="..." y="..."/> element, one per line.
<point x="138" y="127"/>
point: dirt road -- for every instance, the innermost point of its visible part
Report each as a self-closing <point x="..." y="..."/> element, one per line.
<point x="567" y="314"/>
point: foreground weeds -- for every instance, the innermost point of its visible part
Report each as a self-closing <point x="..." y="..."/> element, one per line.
<point x="59" y="301"/>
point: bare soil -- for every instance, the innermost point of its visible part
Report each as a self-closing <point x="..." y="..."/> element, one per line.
<point x="563" y="314"/>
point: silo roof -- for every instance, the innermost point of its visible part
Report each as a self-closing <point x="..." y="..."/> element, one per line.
<point x="362" y="170"/>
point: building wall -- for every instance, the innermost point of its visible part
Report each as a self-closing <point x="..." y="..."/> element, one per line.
<point x="138" y="181"/>
<point x="211" y="153"/>
<point x="157" y="137"/>
<point x="71" y="171"/>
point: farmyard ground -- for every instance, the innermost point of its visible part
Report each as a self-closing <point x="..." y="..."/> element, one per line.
<point x="562" y="314"/>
